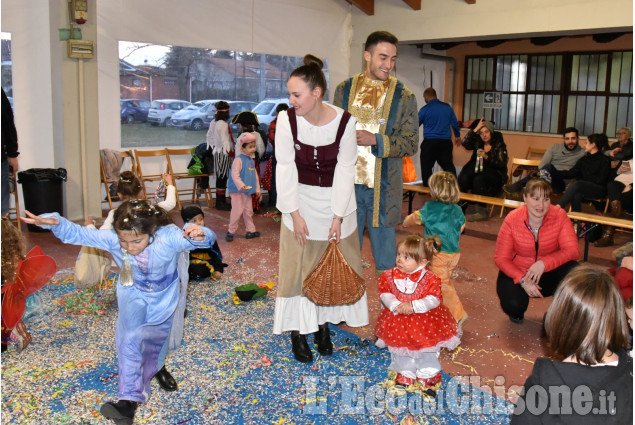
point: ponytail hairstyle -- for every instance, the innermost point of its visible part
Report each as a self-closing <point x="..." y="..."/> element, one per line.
<point x="311" y="73"/>
<point x="140" y="216"/>
<point x="129" y="186"/>
<point x="444" y="187"/>
<point x="222" y="111"/>
<point x="420" y="248"/>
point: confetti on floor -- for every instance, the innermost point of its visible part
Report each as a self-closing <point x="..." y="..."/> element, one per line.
<point x="230" y="369"/>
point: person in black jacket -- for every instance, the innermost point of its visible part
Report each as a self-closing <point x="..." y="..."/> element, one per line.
<point x="586" y="327"/>
<point x="9" y="151"/>
<point x="486" y="171"/>
<point x="592" y="172"/>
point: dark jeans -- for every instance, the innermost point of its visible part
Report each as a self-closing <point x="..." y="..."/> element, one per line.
<point x="513" y="298"/>
<point x="435" y="150"/>
<point x="487" y="182"/>
<point x="557" y="182"/>
<point x="580" y="190"/>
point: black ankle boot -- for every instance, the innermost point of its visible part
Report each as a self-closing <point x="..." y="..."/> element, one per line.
<point x="323" y="341"/>
<point x="166" y="380"/>
<point x="121" y="412"/>
<point x="301" y="350"/>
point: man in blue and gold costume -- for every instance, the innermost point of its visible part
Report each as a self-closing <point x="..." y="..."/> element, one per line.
<point x="387" y="131"/>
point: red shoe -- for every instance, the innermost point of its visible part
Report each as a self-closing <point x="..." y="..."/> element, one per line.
<point x="403" y="381"/>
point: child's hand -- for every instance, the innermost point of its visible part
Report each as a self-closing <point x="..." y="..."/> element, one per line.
<point x="89" y="221"/>
<point x="168" y="179"/>
<point x="37" y="220"/>
<point x="194" y="232"/>
<point x="245" y="188"/>
<point x="404" y="308"/>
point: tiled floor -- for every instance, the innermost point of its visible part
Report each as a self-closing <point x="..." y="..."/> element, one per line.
<point x="493" y="350"/>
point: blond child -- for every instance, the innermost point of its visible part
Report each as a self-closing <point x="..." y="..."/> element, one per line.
<point x="243" y="182"/>
<point x="443" y="218"/>
<point x="413" y="323"/>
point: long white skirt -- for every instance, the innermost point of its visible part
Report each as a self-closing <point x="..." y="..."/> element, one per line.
<point x="293" y="311"/>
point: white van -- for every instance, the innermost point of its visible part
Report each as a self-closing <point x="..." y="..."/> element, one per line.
<point x="266" y="110"/>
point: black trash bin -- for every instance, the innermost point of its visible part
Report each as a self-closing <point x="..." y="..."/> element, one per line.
<point x="42" y="190"/>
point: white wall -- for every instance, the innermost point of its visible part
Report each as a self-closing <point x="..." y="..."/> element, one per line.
<point x="442" y="20"/>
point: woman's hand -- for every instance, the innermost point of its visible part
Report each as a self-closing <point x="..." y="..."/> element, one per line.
<point x="480" y="125"/>
<point x="336" y="229"/>
<point x="404" y="308"/>
<point x="194" y="232"/>
<point x="37" y="220"/>
<point x="534" y="273"/>
<point x="532" y="289"/>
<point x="300" y="229"/>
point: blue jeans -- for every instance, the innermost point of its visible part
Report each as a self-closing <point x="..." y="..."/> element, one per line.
<point x="6" y="195"/>
<point x="383" y="241"/>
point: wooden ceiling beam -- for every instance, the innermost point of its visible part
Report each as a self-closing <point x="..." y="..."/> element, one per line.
<point x="366" y="6"/>
<point x="414" y="4"/>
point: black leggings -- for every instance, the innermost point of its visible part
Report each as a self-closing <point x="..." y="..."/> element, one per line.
<point x="487" y="182"/>
<point x="513" y="298"/>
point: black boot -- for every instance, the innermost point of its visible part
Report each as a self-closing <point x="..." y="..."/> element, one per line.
<point x="323" y="340"/>
<point x="166" y="380"/>
<point x="301" y="350"/>
<point x="221" y="204"/>
<point x="121" y="412"/>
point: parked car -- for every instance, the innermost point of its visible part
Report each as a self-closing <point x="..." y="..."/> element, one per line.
<point x="193" y="117"/>
<point x="161" y="110"/>
<point x="266" y="110"/>
<point x="235" y="107"/>
<point x="134" y="110"/>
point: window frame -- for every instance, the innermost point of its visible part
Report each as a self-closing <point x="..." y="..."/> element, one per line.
<point x="564" y="92"/>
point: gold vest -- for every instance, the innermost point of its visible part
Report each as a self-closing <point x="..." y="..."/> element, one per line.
<point x="368" y="109"/>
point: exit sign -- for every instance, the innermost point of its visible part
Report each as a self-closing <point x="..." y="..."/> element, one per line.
<point x="492" y="100"/>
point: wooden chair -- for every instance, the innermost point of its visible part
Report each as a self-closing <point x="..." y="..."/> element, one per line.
<point x="519" y="169"/>
<point x="148" y="162"/>
<point x="177" y="166"/>
<point x="14" y="211"/>
<point x="535" y="153"/>
<point x="107" y="182"/>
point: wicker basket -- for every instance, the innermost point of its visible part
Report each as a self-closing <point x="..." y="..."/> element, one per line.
<point x="333" y="281"/>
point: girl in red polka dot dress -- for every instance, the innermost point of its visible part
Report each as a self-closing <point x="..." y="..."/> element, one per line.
<point x="413" y="322"/>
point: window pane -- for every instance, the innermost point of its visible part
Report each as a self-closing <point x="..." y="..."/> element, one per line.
<point x="553" y="128"/>
<point x="626" y="79"/>
<point x="469" y="71"/>
<point x="616" y="69"/>
<point x="599" y="104"/>
<point x="603" y="66"/>
<point x="583" y="74"/>
<point x="532" y="101"/>
<point x="490" y="74"/>
<point x="575" y="71"/>
<point x="592" y="79"/>
<point x="549" y="71"/>
<point x="557" y="76"/>
<point x="540" y="73"/>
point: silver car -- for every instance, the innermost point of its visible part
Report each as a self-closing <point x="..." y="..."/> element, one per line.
<point x="193" y="117"/>
<point x="161" y="110"/>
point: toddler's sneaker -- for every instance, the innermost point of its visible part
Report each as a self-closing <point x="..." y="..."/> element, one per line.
<point x="229" y="237"/>
<point x="251" y="235"/>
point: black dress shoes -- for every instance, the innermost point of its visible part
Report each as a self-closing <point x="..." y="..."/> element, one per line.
<point x="301" y="350"/>
<point x="323" y="341"/>
<point x="166" y="380"/>
<point x="121" y="412"/>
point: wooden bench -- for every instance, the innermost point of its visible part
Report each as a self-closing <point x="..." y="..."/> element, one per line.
<point x="598" y="220"/>
<point x="412" y="189"/>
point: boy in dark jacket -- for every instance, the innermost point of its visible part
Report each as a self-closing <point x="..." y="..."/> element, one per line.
<point x="204" y="262"/>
